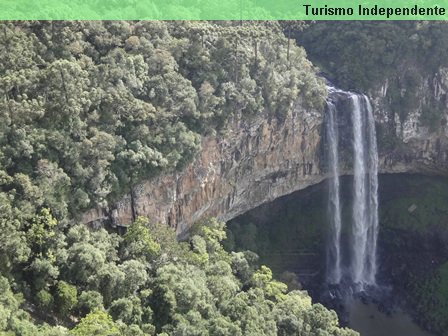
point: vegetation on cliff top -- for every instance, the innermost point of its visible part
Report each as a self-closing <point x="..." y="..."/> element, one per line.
<point x="360" y="55"/>
<point x="403" y="58"/>
<point x="90" y="108"/>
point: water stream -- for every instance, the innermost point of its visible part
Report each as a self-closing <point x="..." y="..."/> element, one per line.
<point x="364" y="225"/>
<point x="334" y="273"/>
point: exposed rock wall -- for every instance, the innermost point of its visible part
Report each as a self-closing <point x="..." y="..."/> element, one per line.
<point x="262" y="159"/>
<point x="253" y="162"/>
<point x="415" y="146"/>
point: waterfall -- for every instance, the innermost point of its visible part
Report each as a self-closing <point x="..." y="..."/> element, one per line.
<point x="362" y="264"/>
<point x="334" y="250"/>
<point x="372" y="234"/>
<point x="360" y="211"/>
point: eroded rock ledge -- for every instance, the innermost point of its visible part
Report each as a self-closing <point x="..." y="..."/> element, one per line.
<point x="259" y="160"/>
<point x="254" y="162"/>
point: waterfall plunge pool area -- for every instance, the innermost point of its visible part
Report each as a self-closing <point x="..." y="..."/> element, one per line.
<point x="290" y="235"/>
<point x="368" y="320"/>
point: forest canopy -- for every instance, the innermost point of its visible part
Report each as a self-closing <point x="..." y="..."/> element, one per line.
<point x="361" y="55"/>
<point x="87" y="110"/>
<point x="90" y="108"/>
<point x="401" y="59"/>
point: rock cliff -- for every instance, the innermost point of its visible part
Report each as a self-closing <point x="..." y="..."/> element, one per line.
<point x="406" y="142"/>
<point x="259" y="160"/>
<point x="253" y="162"/>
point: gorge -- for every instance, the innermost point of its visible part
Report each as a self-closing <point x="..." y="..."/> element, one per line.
<point x="266" y="158"/>
<point x="290" y="235"/>
<point x="201" y="178"/>
<point x="263" y="158"/>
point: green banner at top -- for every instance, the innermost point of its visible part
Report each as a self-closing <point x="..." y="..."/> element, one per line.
<point x="223" y="10"/>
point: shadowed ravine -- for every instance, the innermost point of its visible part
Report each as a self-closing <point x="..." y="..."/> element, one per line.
<point x="291" y="236"/>
<point x="369" y="321"/>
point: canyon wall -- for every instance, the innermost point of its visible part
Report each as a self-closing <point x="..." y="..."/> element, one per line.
<point x="406" y="143"/>
<point x="255" y="161"/>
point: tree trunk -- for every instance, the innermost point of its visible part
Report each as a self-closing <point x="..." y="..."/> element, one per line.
<point x="134" y="216"/>
<point x="63" y="86"/>
<point x="256" y="53"/>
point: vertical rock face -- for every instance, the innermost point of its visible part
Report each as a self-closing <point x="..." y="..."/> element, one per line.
<point x="253" y="162"/>
<point x="259" y="160"/>
<point x="406" y="143"/>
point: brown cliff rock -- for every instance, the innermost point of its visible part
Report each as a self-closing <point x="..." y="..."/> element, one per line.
<point x="256" y="161"/>
<point x="253" y="162"/>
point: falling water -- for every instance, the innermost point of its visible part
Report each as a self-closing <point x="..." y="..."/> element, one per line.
<point x="360" y="211"/>
<point x="334" y="250"/>
<point x="365" y="192"/>
<point x="364" y="225"/>
<point x="372" y="233"/>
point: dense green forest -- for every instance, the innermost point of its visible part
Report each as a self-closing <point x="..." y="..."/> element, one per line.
<point x="92" y="107"/>
<point x="88" y="109"/>
<point x="146" y="283"/>
<point x="400" y="58"/>
<point x="361" y="55"/>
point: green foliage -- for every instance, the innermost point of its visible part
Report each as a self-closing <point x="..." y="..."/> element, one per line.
<point x="13" y="246"/>
<point x="45" y="300"/>
<point x="199" y="289"/>
<point x="96" y="323"/>
<point x="15" y="321"/>
<point x="66" y="297"/>
<point x="138" y="242"/>
<point x="128" y="310"/>
<point x="88" y="110"/>
<point x="263" y="279"/>
<point x="212" y="233"/>
<point x="361" y="55"/>
<point x="91" y="108"/>
<point x="41" y="229"/>
<point x="296" y="308"/>
<point x="401" y="58"/>
<point x="90" y="301"/>
<point x="431" y="298"/>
